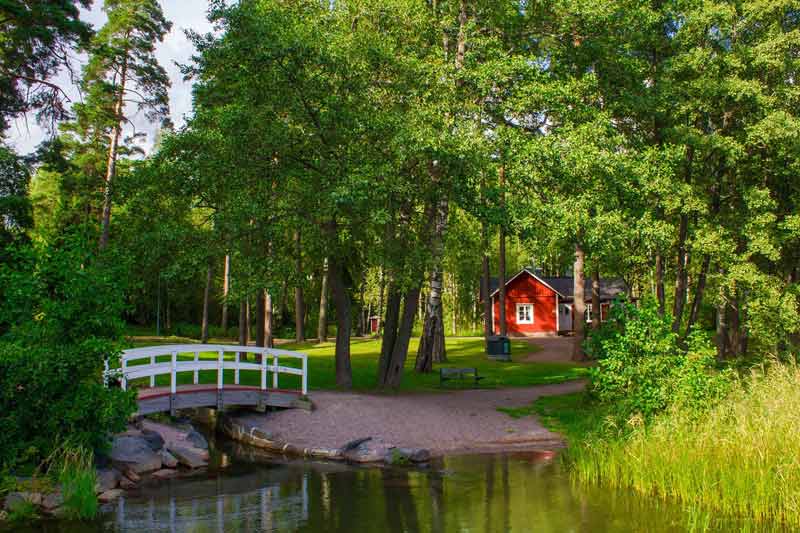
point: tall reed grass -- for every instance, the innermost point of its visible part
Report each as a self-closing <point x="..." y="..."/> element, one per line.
<point x="742" y="457"/>
<point x="74" y="470"/>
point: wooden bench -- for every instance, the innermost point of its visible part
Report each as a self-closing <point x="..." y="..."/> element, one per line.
<point x="449" y="374"/>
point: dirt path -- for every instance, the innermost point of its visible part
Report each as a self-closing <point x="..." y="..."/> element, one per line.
<point x="458" y="421"/>
<point x="552" y="350"/>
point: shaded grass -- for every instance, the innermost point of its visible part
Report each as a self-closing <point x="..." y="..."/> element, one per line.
<point x="461" y="352"/>
<point x="78" y="478"/>
<point x="741" y="458"/>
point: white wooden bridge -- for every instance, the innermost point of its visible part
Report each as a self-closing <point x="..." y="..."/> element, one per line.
<point x="139" y="368"/>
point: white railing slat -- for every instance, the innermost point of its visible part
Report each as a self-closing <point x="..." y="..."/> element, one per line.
<point x="172" y="367"/>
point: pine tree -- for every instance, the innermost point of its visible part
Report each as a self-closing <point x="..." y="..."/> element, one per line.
<point x="123" y="70"/>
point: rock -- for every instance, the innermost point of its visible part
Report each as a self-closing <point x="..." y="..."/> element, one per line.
<point x="196" y="439"/>
<point x="353" y="444"/>
<point x="164" y="473"/>
<point x="168" y="460"/>
<point x="110" y="495"/>
<point x="134" y="453"/>
<point x="132" y="476"/>
<point x="188" y="457"/>
<point x="52" y="501"/>
<point x="107" y="479"/>
<point x="3" y="516"/>
<point x="415" y="455"/>
<point x="16" y="499"/>
<point x="369" y="451"/>
<point x="126" y="484"/>
<point x="153" y="438"/>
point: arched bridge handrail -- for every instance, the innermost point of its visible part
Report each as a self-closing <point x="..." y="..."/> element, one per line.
<point x="270" y="362"/>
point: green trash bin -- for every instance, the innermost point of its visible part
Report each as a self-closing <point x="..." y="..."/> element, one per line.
<point x="498" y="347"/>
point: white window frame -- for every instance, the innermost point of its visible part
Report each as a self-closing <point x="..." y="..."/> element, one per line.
<point x="588" y="313"/>
<point x="523" y="305"/>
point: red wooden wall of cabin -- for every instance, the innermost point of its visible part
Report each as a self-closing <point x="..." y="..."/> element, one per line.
<point x="527" y="289"/>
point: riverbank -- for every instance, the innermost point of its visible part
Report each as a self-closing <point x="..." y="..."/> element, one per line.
<point x="739" y="458"/>
<point x="444" y="423"/>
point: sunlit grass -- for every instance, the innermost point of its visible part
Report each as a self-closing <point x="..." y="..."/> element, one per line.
<point x="461" y="352"/>
<point x="741" y="458"/>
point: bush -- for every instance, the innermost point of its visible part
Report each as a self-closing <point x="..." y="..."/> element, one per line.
<point x="60" y="315"/>
<point x="78" y="479"/>
<point x="643" y="369"/>
<point x="739" y="457"/>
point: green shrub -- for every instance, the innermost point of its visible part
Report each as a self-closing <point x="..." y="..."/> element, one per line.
<point x="643" y="369"/>
<point x="78" y="479"/>
<point x="738" y="457"/>
<point x="60" y="315"/>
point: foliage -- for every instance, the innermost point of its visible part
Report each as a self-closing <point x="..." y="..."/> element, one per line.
<point x="643" y="369"/>
<point x="78" y="479"/>
<point x="739" y="457"/>
<point x="61" y="320"/>
<point x="15" y="208"/>
<point x="37" y="39"/>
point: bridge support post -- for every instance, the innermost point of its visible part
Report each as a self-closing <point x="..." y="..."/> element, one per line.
<point x="173" y="404"/>
<point x="220" y="378"/>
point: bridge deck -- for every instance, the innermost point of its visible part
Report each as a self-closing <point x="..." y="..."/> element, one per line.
<point x="159" y="399"/>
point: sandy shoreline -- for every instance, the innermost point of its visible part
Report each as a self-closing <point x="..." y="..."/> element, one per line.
<point x="445" y="423"/>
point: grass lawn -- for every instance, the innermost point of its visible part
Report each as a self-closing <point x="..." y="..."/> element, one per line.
<point x="461" y="352"/>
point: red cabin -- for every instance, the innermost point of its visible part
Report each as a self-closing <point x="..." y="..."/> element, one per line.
<point x="537" y="305"/>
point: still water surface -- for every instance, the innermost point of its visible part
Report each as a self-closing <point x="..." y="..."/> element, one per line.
<point x="248" y="490"/>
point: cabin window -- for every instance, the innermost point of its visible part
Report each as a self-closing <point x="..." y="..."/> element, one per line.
<point x="524" y="313"/>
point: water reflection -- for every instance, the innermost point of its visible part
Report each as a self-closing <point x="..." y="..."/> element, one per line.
<point x="491" y="493"/>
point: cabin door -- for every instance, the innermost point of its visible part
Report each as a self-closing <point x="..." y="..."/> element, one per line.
<point x="565" y="317"/>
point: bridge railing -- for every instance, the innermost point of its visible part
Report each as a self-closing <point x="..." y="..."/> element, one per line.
<point x="151" y="368"/>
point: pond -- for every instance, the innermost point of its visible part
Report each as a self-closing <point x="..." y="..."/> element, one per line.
<point x="248" y="490"/>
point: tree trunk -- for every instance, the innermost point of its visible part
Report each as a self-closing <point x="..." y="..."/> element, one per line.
<point x="501" y="267"/>
<point x="488" y="327"/>
<point x="261" y="309"/>
<point x="341" y="298"/>
<point x="268" y="340"/>
<point x="578" y="305"/>
<point x="113" y="152"/>
<point x="299" y="304"/>
<point x="461" y="43"/>
<point x="432" y="343"/>
<point x="167" y="314"/>
<point x="596" y="311"/>
<point x="394" y="366"/>
<point x="322" y="324"/>
<point x="283" y="309"/>
<point x="697" y="301"/>
<point x="361" y="322"/>
<point x="206" y="296"/>
<point x="226" y="283"/>
<point x="660" y="294"/>
<point x="244" y="326"/>
<point x="382" y="290"/>
<point x="681" y="274"/>
<point x="501" y="281"/>
<point x="393" y="302"/>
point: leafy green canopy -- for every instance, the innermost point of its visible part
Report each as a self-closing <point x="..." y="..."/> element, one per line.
<point x="60" y="320"/>
<point x="36" y="38"/>
<point x="642" y="370"/>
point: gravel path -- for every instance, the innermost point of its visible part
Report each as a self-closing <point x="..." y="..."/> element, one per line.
<point x="552" y="350"/>
<point x="447" y="422"/>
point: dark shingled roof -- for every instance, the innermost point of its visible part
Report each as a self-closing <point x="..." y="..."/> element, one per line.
<point x="609" y="288"/>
